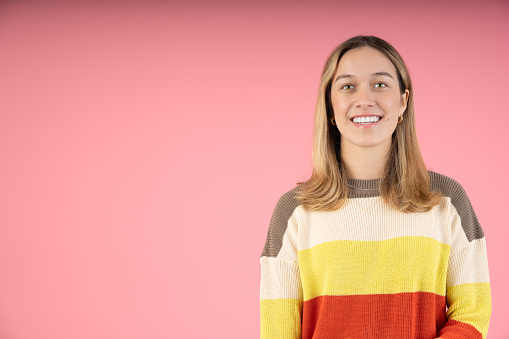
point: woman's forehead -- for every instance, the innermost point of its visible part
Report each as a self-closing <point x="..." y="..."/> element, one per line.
<point x="365" y="61"/>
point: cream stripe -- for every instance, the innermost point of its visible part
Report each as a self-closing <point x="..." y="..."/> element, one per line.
<point x="280" y="279"/>
<point x="290" y="242"/>
<point x="398" y="265"/>
<point x="469" y="264"/>
<point x="458" y="236"/>
<point x="471" y="304"/>
<point x="371" y="219"/>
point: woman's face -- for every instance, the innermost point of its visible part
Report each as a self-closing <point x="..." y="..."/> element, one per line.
<point x="366" y="98"/>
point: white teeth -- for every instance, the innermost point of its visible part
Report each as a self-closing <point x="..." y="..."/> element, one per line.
<point x="368" y="120"/>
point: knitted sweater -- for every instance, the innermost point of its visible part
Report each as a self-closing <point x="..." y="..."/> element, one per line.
<point x="366" y="270"/>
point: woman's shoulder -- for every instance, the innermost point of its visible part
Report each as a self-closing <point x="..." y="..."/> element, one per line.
<point x="288" y="202"/>
<point x="446" y="185"/>
<point x="282" y="213"/>
<point x="459" y="199"/>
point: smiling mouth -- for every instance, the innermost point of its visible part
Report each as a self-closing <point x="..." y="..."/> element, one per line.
<point x="366" y="120"/>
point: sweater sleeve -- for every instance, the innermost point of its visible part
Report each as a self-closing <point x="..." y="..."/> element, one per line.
<point x="280" y="287"/>
<point x="468" y="292"/>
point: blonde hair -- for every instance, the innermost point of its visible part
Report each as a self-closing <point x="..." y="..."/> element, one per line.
<point x="405" y="183"/>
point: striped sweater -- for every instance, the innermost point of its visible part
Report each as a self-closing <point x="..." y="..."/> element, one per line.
<point x="369" y="271"/>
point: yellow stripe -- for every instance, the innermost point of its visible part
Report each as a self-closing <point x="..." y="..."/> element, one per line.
<point x="471" y="304"/>
<point x="398" y="265"/>
<point x="280" y="318"/>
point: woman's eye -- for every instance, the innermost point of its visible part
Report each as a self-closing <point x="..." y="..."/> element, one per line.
<point x="380" y="85"/>
<point x="347" y="87"/>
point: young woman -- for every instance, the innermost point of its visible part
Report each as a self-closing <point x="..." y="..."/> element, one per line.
<point x="373" y="245"/>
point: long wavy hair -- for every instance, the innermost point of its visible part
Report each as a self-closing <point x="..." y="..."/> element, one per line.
<point x="405" y="183"/>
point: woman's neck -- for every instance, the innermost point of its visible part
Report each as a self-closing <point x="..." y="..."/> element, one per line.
<point x="364" y="162"/>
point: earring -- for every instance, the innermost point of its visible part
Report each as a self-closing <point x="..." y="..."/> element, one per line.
<point x="332" y="121"/>
<point x="400" y="119"/>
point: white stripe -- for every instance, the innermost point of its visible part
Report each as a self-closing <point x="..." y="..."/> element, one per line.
<point x="468" y="264"/>
<point x="371" y="219"/>
<point x="290" y="246"/>
<point x="280" y="279"/>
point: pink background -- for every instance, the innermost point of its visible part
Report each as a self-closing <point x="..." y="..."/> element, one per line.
<point x="143" y="148"/>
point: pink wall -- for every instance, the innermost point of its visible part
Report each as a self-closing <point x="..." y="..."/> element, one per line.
<point x="143" y="149"/>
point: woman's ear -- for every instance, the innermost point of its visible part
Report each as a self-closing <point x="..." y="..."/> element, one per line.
<point x="404" y="100"/>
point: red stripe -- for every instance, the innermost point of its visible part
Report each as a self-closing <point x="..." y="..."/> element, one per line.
<point x="402" y="315"/>
<point x="458" y="330"/>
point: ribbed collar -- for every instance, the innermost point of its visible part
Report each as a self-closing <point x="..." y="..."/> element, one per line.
<point x="360" y="188"/>
<point x="364" y="184"/>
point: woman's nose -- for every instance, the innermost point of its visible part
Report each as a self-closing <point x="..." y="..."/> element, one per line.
<point x="364" y="97"/>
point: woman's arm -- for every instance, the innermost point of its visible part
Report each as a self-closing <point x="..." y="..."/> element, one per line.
<point x="468" y="291"/>
<point x="280" y="299"/>
<point x="280" y="287"/>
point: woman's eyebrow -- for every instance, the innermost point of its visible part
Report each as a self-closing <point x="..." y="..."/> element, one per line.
<point x="341" y="76"/>
<point x="384" y="74"/>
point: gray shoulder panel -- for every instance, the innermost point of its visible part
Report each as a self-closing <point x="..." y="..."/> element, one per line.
<point x="279" y="222"/>
<point x="452" y="189"/>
